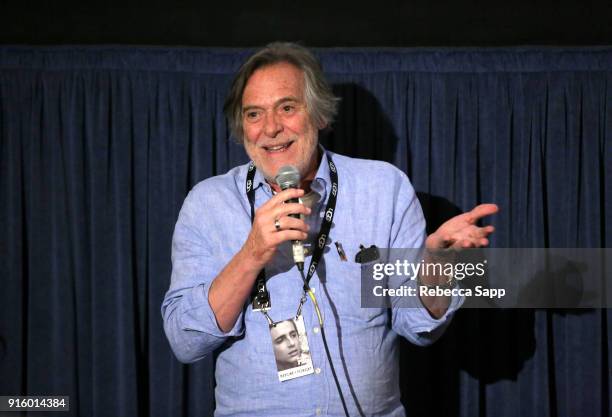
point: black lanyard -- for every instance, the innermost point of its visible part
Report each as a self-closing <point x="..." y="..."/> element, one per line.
<point x="261" y="296"/>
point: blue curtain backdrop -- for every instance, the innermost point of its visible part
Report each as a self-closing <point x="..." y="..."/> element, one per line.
<point x="99" y="146"/>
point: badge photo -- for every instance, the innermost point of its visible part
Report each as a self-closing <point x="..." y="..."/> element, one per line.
<point x="291" y="349"/>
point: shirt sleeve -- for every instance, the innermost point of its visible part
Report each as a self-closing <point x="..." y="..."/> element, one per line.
<point x="189" y="322"/>
<point x="408" y="231"/>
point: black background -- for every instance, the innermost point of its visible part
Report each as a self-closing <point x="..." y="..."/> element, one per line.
<point x="317" y="24"/>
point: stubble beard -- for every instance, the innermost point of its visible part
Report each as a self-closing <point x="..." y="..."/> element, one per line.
<point x="306" y="166"/>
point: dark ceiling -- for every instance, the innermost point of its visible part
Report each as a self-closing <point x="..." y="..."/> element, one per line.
<point x="239" y="24"/>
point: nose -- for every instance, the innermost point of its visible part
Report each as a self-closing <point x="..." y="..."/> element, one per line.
<point x="272" y="125"/>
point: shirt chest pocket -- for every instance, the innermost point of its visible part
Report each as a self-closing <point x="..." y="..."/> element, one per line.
<point x="343" y="291"/>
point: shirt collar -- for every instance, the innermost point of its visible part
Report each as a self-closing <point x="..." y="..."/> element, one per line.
<point x="322" y="180"/>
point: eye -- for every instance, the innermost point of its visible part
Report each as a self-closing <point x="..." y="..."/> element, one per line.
<point x="252" y="115"/>
<point x="288" y="108"/>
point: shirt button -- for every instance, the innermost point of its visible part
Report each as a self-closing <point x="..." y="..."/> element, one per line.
<point x="318" y="411"/>
<point x="315" y="329"/>
<point x="317" y="370"/>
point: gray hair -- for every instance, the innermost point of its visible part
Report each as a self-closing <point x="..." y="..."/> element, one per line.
<point x="321" y="104"/>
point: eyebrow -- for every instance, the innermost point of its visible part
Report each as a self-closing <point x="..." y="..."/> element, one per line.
<point x="276" y="103"/>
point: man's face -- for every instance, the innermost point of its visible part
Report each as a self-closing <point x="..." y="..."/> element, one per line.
<point x="286" y="342"/>
<point x="277" y="127"/>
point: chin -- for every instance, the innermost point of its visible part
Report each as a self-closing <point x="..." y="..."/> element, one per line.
<point x="269" y="171"/>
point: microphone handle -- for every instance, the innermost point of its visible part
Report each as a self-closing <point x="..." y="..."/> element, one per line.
<point x="298" y="245"/>
<point x="294" y="200"/>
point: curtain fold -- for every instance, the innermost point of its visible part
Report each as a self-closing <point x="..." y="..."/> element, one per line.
<point x="100" y="145"/>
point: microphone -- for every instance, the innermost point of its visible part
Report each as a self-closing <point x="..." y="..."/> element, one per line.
<point x="289" y="177"/>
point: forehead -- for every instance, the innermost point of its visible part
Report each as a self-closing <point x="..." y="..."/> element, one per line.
<point x="272" y="83"/>
<point x="283" y="327"/>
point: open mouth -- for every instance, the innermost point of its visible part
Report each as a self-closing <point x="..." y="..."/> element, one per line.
<point x="278" y="148"/>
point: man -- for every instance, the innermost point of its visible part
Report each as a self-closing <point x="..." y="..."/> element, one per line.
<point x="278" y="103"/>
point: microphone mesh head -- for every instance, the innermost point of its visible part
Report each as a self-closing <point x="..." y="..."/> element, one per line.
<point x="288" y="177"/>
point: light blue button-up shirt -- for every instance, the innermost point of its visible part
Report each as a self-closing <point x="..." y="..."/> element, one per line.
<point x="376" y="206"/>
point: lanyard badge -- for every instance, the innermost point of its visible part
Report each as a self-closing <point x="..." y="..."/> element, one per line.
<point x="289" y="339"/>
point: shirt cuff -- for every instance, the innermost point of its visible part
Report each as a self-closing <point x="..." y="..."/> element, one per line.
<point x="425" y="323"/>
<point x="198" y="315"/>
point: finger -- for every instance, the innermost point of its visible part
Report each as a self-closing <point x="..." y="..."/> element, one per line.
<point x="290" y="208"/>
<point x="481" y="211"/>
<point x="286" y="195"/>
<point x="467" y="233"/>
<point x="474" y="243"/>
<point x="438" y="241"/>
<point x="471" y="243"/>
<point x="287" y="223"/>
<point x="476" y="232"/>
<point x="457" y="244"/>
<point x="285" y="235"/>
<point x="281" y="197"/>
<point x="486" y="231"/>
<point x="466" y="244"/>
